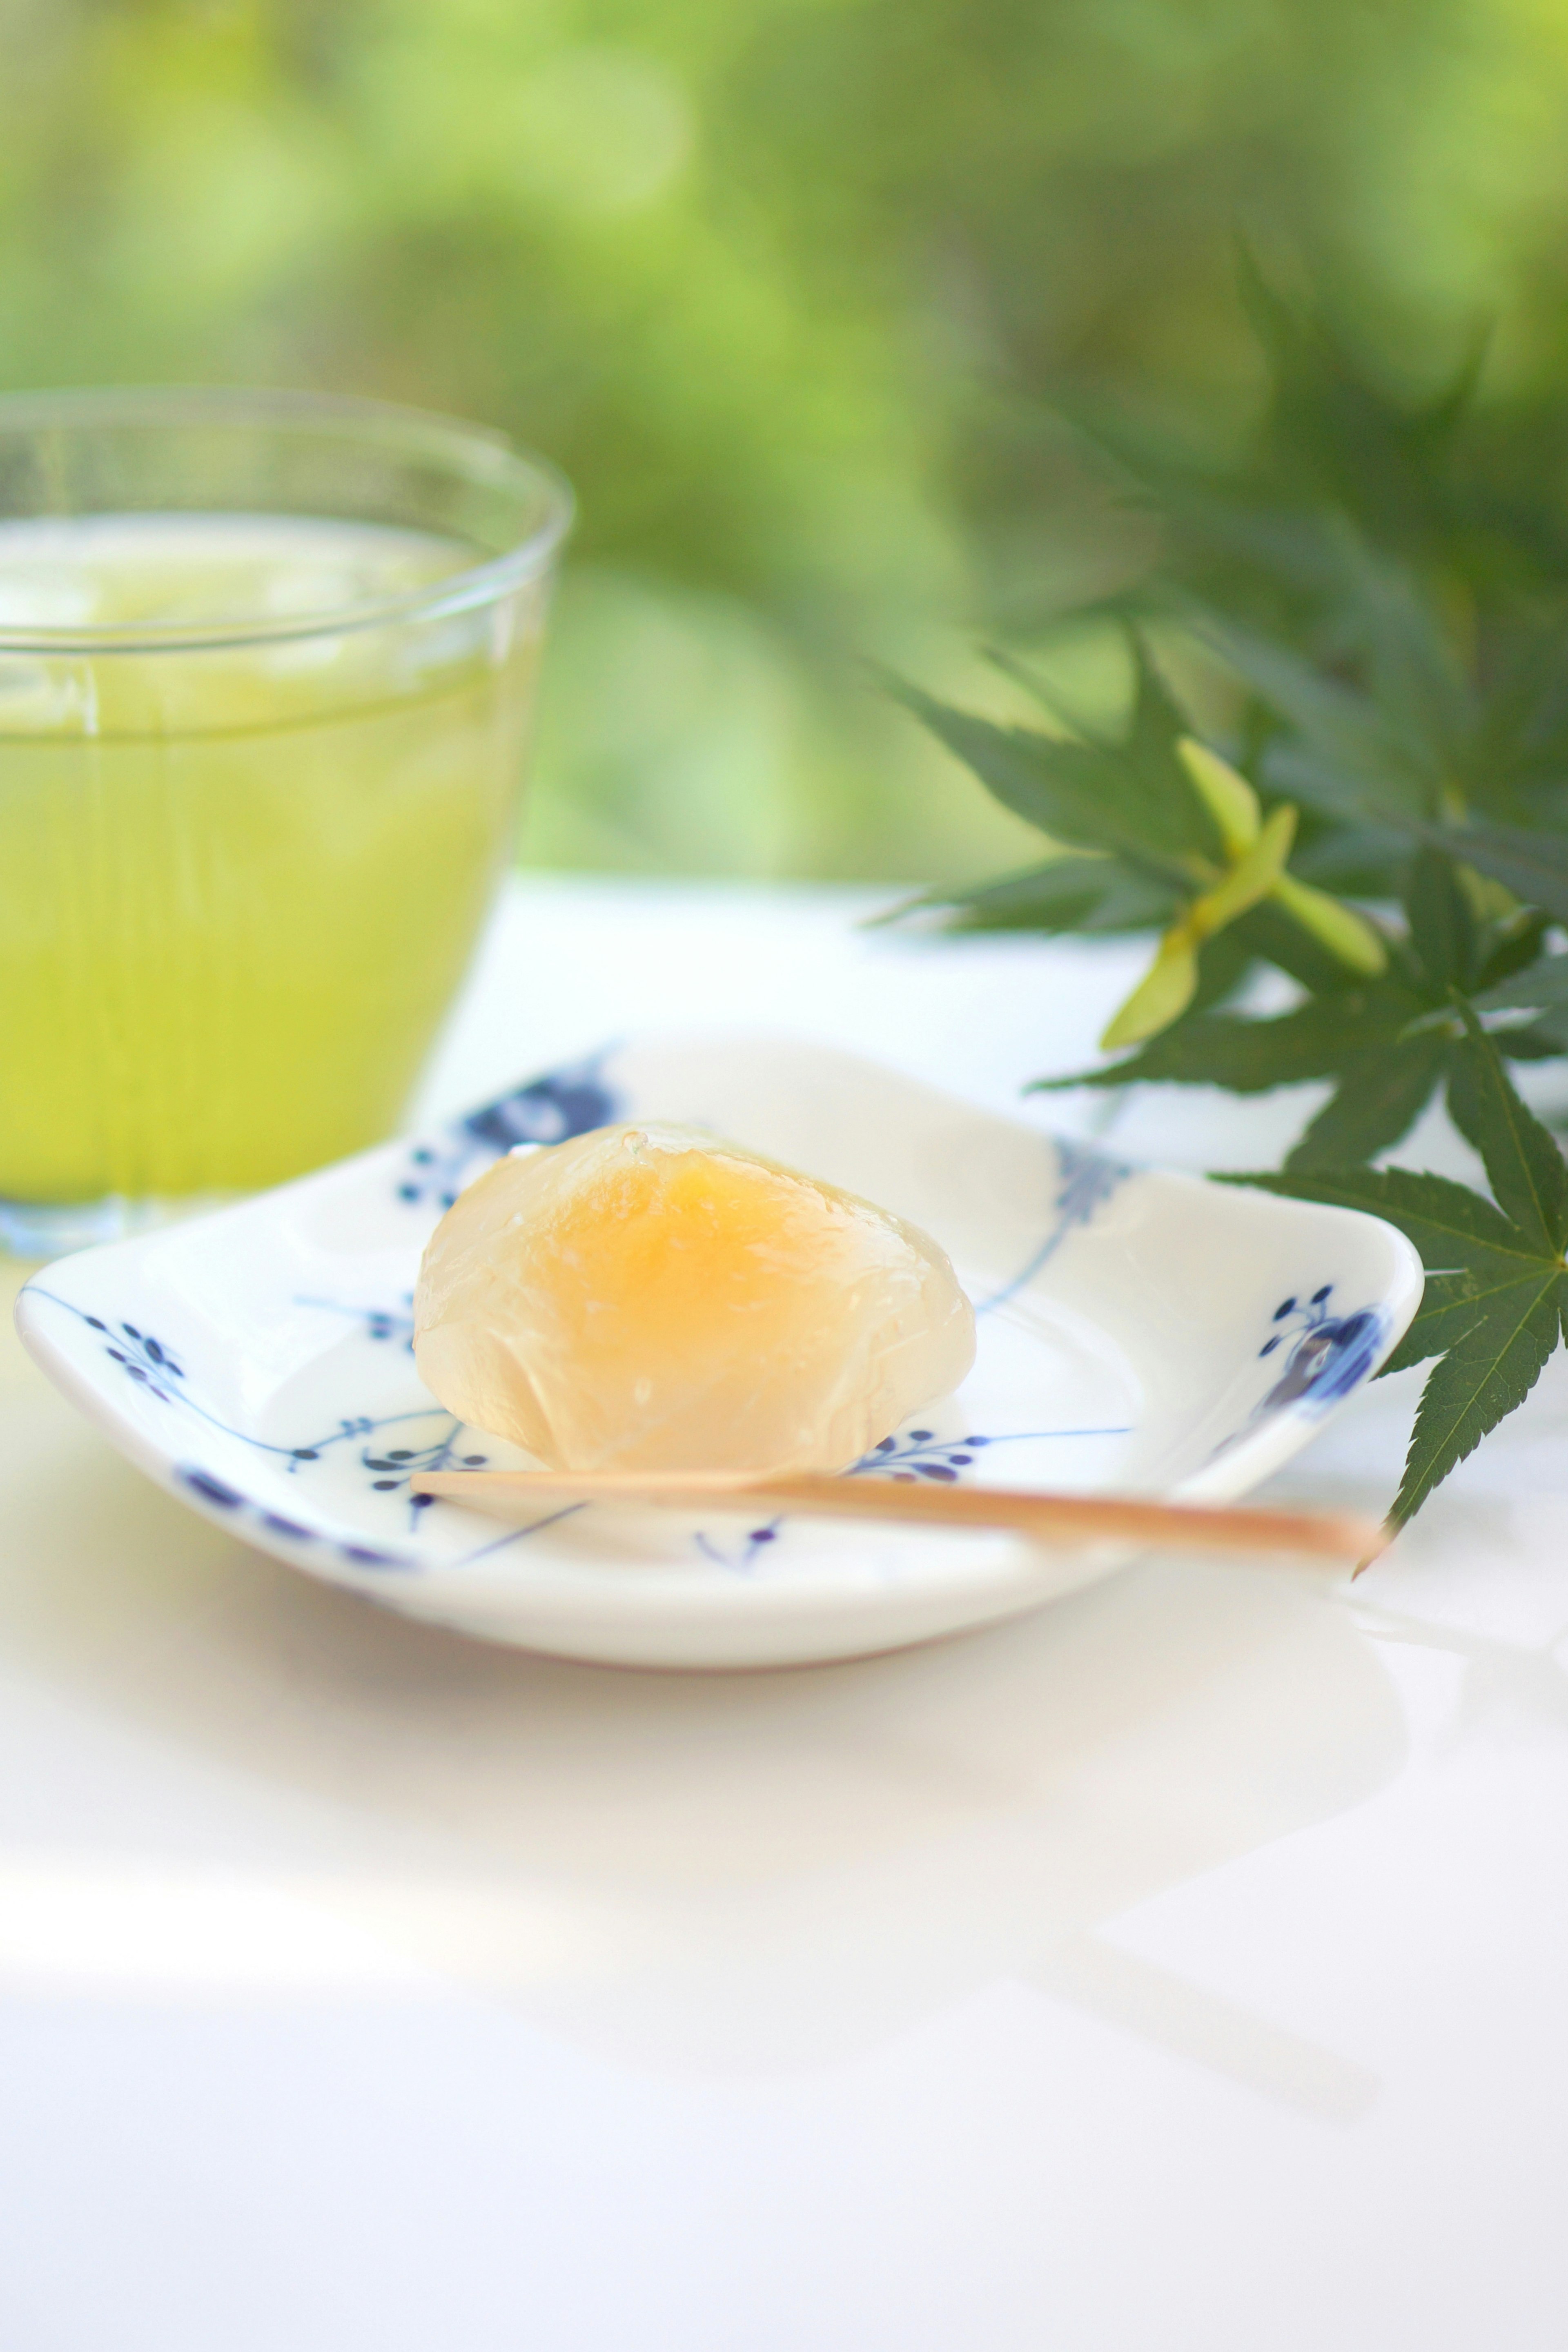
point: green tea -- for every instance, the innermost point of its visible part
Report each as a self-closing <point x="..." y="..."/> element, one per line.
<point x="238" y="881"/>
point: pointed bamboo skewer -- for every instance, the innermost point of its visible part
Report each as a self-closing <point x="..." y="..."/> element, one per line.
<point x="1062" y="1519"/>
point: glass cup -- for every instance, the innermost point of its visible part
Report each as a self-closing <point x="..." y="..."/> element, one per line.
<point x="267" y="667"/>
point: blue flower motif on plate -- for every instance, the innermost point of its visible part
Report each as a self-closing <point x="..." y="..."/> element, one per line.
<point x="391" y="1447"/>
<point x="549" y="1110"/>
<point x="1084" y="1179"/>
<point x="1330" y="1354"/>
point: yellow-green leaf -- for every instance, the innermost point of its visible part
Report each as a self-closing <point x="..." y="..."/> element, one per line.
<point x="1229" y="797"/>
<point x="1166" y="990"/>
<point x="1349" y="937"/>
<point x="1252" y="878"/>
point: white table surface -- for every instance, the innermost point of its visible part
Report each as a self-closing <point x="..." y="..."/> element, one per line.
<point x="1180" y="1969"/>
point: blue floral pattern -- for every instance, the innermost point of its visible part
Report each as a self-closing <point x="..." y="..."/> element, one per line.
<point x="1330" y="1354"/>
<point x="921" y="1454"/>
<point x="549" y="1110"/>
<point x="429" y="1438"/>
<point x="152" y="1365"/>
<point x="215" y="1494"/>
<point x="738" y="1554"/>
<point x="378" y="1323"/>
<point x="145" y="1359"/>
<point x="1084" y="1179"/>
<point x="916" y="1453"/>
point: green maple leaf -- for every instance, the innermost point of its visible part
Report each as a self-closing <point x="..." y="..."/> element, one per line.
<point x="1386" y="1043"/>
<point x="1379" y="577"/>
<point x="1534" y="865"/>
<point x="1385" y="576"/>
<point x="1539" y="987"/>
<point x="1127" y="798"/>
<point x="1072" y="893"/>
<point x="1336" y="434"/>
<point x="1383" y="1079"/>
<point x="1495" y="1302"/>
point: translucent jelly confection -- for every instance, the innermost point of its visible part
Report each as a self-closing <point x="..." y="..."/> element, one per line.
<point x="647" y="1298"/>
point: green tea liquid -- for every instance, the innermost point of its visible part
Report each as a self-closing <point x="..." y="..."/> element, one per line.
<point x="238" y="885"/>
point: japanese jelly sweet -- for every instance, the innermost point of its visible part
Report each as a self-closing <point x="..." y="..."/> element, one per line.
<point x="648" y="1298"/>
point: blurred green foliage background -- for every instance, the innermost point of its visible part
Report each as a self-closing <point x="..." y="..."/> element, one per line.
<point x="783" y="285"/>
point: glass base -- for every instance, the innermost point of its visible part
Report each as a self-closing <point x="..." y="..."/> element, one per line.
<point x="37" y="1230"/>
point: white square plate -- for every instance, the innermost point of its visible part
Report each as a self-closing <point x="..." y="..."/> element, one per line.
<point x="1138" y="1330"/>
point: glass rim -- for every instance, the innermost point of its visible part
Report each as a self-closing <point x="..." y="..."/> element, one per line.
<point x="479" y="453"/>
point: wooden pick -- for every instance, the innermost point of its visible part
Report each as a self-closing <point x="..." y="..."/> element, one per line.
<point x="1061" y="1519"/>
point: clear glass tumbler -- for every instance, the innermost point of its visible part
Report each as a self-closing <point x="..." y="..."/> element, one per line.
<point x="267" y="668"/>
